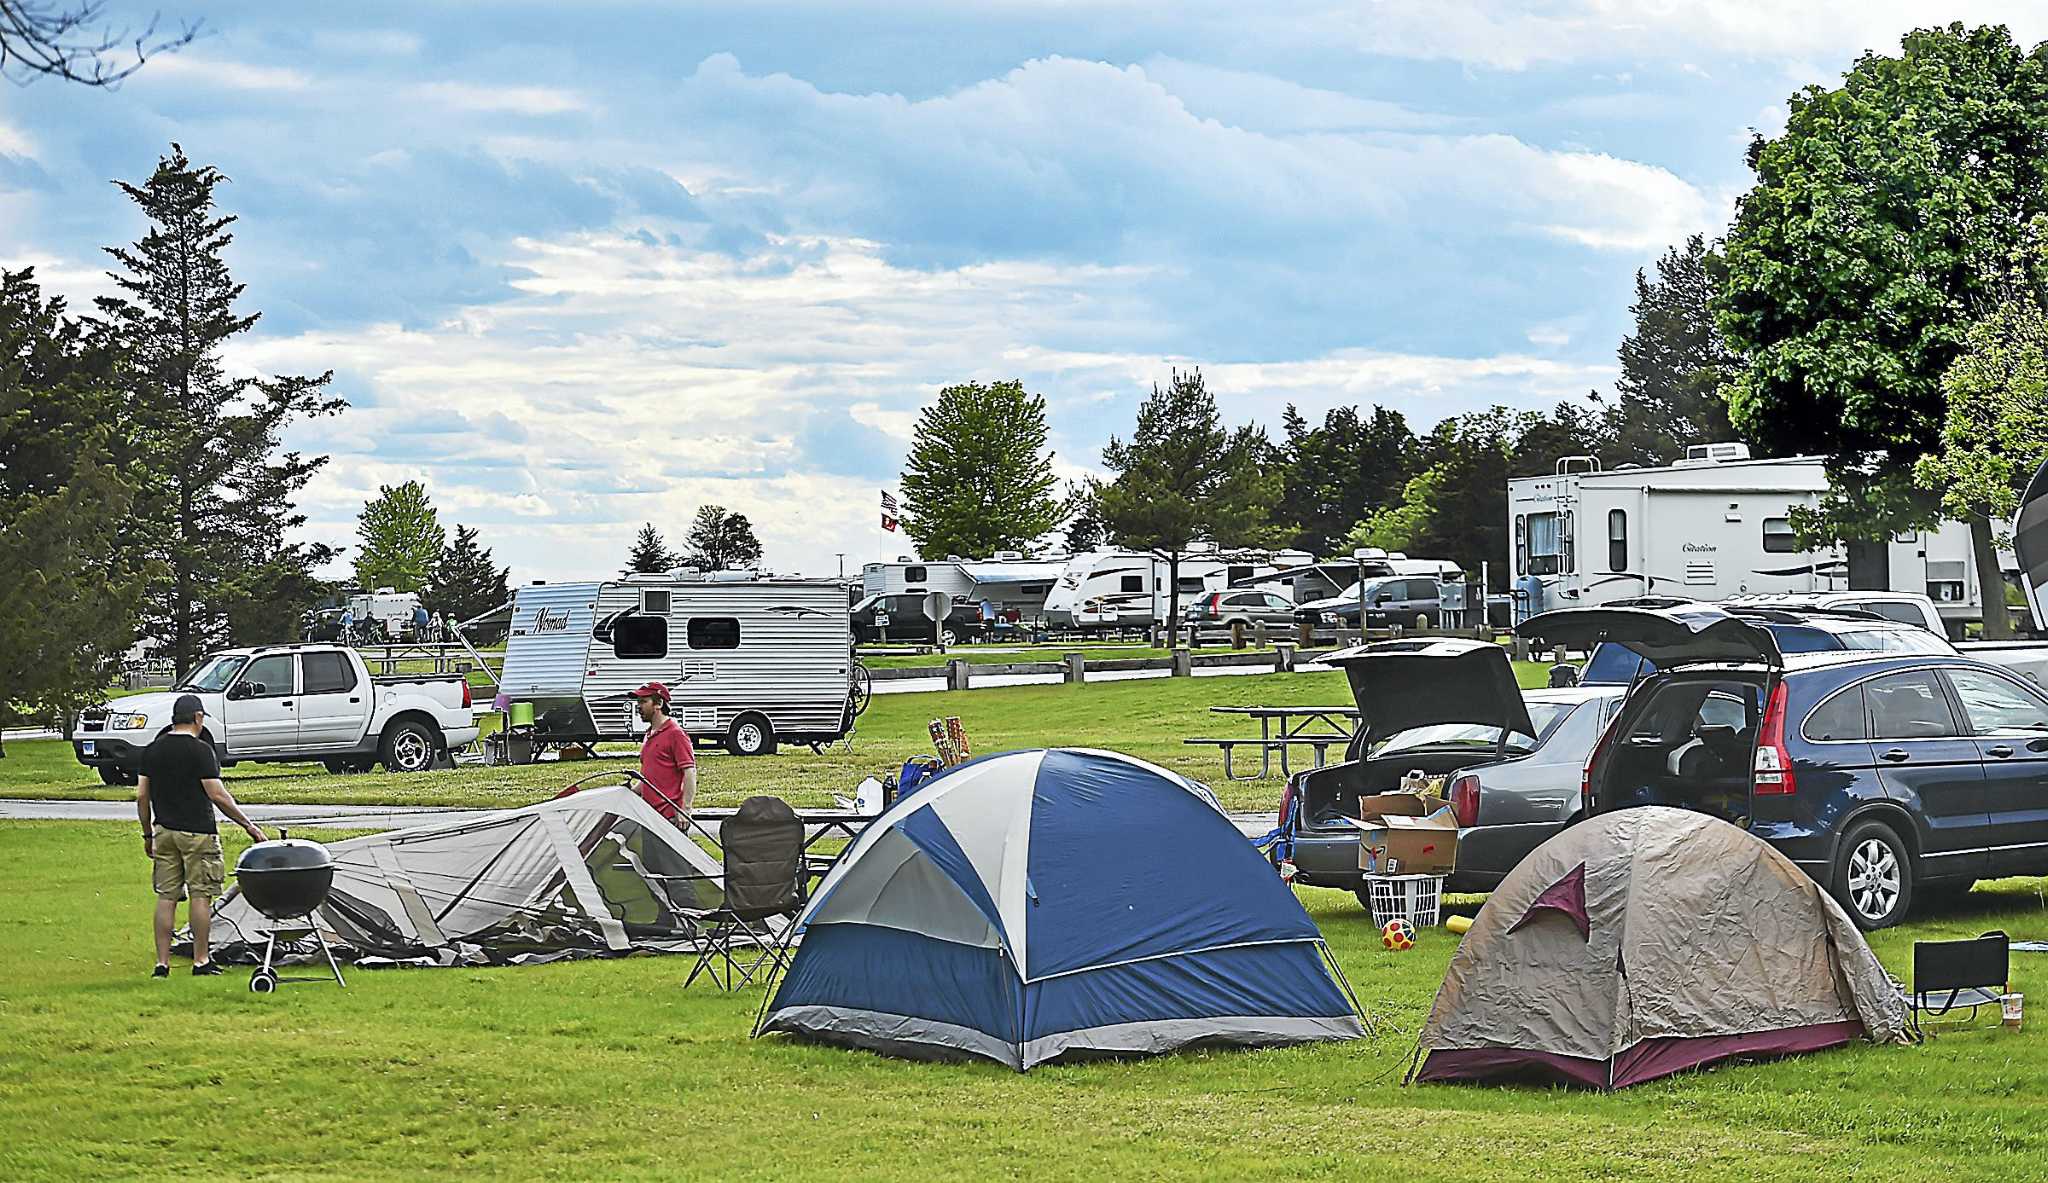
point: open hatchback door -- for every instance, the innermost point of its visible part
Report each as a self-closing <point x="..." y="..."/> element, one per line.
<point x="1402" y="685"/>
<point x="1668" y="637"/>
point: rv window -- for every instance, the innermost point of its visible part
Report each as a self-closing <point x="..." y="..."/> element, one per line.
<point x="1237" y="574"/>
<point x="655" y="601"/>
<point x="1133" y="583"/>
<point x="714" y="632"/>
<point x="1190" y="583"/>
<point x="1778" y="537"/>
<point x="636" y="636"/>
<point x="1521" y="545"/>
<point x="1617" y="540"/>
<point x="913" y="575"/>
<point x="1545" y="544"/>
<point x="328" y="673"/>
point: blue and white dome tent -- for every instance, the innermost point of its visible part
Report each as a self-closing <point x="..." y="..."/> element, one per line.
<point x="1031" y="905"/>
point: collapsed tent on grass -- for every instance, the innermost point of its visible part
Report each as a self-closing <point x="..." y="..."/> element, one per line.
<point x="594" y="874"/>
<point x="1646" y="941"/>
<point x="1035" y="905"/>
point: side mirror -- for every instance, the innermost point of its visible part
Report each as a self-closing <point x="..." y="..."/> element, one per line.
<point x="242" y="690"/>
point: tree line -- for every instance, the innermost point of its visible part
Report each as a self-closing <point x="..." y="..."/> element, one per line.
<point x="1880" y="299"/>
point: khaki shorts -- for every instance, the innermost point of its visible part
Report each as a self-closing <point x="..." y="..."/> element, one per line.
<point x="188" y="863"/>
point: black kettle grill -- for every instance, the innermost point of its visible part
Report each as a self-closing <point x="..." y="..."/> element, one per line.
<point x="287" y="879"/>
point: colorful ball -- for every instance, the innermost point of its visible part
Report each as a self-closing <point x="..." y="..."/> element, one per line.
<point x="1397" y="934"/>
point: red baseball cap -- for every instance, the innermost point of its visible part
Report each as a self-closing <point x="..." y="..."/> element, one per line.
<point x="651" y="690"/>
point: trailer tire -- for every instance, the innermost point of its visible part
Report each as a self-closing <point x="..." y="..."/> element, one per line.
<point x="114" y="774"/>
<point x="409" y="746"/>
<point x="750" y="735"/>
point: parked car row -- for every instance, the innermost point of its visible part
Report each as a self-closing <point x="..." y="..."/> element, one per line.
<point x="1881" y="761"/>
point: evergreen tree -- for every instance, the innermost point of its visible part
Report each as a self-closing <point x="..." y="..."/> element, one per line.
<point x="978" y="478"/>
<point x="650" y="554"/>
<point x="218" y="501"/>
<point x="1084" y="518"/>
<point x="720" y="540"/>
<point x="72" y="590"/>
<point x="1352" y="465"/>
<point x="1672" y="366"/>
<point x="401" y="537"/>
<point x="1183" y="478"/>
<point x="467" y="583"/>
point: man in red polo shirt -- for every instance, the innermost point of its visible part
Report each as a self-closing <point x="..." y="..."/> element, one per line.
<point x="666" y="758"/>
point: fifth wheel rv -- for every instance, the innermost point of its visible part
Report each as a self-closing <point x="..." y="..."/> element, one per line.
<point x="1714" y="525"/>
<point x="1106" y="590"/>
<point x="748" y="664"/>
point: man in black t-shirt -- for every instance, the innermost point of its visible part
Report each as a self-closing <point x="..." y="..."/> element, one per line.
<point x="178" y="790"/>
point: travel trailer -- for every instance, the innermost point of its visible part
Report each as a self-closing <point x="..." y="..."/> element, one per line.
<point x="1011" y="583"/>
<point x="1104" y="590"/>
<point x="748" y="664"/>
<point x="383" y="614"/>
<point x="1714" y="525"/>
<point x="1313" y="582"/>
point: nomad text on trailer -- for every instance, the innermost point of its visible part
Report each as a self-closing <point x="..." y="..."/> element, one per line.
<point x="748" y="664"/>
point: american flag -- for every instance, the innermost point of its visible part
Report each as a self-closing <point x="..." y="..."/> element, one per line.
<point x="889" y="512"/>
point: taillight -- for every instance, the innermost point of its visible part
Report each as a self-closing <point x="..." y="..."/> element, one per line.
<point x="1771" y="775"/>
<point x="1465" y="798"/>
<point x="465" y="694"/>
<point x="1586" y="774"/>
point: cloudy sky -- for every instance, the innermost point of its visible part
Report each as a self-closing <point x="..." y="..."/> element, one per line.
<point x="581" y="266"/>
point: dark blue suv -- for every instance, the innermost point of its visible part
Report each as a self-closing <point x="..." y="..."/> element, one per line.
<point x="1885" y="776"/>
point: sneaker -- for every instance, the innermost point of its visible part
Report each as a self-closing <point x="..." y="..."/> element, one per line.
<point x="161" y="971"/>
<point x="208" y="970"/>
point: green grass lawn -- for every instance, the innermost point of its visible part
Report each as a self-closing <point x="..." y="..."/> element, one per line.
<point x="608" y="1069"/>
<point x="1145" y="717"/>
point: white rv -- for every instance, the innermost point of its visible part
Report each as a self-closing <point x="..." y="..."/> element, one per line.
<point x="748" y="664"/>
<point x="1010" y="582"/>
<point x="1714" y="525"/>
<point x="384" y="612"/>
<point x="1122" y="589"/>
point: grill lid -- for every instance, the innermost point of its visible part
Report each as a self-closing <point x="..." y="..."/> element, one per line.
<point x="283" y="854"/>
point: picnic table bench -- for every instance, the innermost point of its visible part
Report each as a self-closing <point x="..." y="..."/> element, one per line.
<point x="1317" y="727"/>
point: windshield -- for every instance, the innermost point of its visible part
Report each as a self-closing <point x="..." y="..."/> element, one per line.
<point x="1474" y="735"/>
<point x="214" y="676"/>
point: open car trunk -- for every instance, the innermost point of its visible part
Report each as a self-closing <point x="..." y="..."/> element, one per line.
<point x="1687" y="738"/>
<point x="1440" y="704"/>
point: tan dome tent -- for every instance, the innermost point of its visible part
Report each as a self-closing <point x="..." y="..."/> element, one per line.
<point x="1646" y="941"/>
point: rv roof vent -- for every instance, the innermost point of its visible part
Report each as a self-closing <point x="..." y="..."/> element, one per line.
<point x="1567" y="464"/>
<point x="1008" y="556"/>
<point x="1715" y="453"/>
<point x="905" y="559"/>
<point x="1369" y="552"/>
<point x="954" y="559"/>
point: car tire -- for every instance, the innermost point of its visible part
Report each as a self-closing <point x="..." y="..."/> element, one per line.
<point x="409" y="746"/>
<point x="750" y="735"/>
<point x="1874" y="876"/>
<point x="115" y="775"/>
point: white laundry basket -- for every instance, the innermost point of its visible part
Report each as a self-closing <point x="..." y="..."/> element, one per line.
<point x="1414" y="898"/>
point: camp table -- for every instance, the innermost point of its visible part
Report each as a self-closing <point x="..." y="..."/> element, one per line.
<point x="1315" y="726"/>
<point x="819" y="824"/>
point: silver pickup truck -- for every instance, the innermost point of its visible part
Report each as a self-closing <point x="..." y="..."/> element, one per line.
<point x="279" y="703"/>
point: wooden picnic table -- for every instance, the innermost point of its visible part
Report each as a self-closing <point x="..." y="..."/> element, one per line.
<point x="1318" y="727"/>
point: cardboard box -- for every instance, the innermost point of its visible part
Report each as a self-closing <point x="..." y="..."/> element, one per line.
<point x="1406" y="834"/>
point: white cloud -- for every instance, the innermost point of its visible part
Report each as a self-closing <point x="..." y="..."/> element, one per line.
<point x="15" y="142"/>
<point x="197" y="70"/>
<point x="1266" y="103"/>
<point x="509" y="100"/>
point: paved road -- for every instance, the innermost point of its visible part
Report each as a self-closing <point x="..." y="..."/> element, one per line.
<point x="357" y="817"/>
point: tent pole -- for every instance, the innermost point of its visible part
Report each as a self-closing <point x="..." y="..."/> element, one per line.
<point x="1345" y="982"/>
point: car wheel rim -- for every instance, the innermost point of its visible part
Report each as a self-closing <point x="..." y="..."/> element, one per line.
<point x="411" y="749"/>
<point x="750" y="738"/>
<point x="1874" y="879"/>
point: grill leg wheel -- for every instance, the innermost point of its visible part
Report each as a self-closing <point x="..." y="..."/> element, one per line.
<point x="262" y="982"/>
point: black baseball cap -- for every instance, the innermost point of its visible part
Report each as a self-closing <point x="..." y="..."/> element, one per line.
<point x="187" y="708"/>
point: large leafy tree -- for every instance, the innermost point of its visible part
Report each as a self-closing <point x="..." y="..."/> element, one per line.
<point x="215" y="512"/>
<point x="1995" y="430"/>
<point x="72" y="590"/>
<point x="467" y="581"/>
<point x="721" y="540"/>
<point x="1672" y="366"/>
<point x="650" y="553"/>
<point x="1183" y="477"/>
<point x="1456" y="507"/>
<point x="1570" y="429"/>
<point x="1356" y="462"/>
<point x="401" y="537"/>
<point x="1878" y="223"/>
<point x="979" y="476"/>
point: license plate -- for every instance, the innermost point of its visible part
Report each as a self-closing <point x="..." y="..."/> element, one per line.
<point x="88" y="747"/>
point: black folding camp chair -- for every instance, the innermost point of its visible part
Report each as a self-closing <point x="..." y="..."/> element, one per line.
<point x="1952" y="974"/>
<point x="766" y="877"/>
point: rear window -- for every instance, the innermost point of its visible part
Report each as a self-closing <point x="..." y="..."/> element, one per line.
<point x="1799" y="638"/>
<point x="1475" y="735"/>
<point x="328" y="673"/>
<point x="1839" y="718"/>
<point x="1612" y="665"/>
